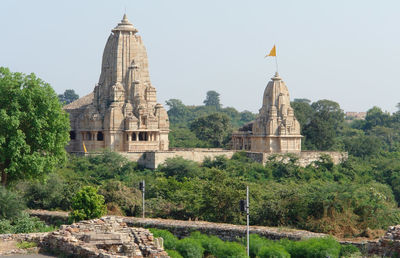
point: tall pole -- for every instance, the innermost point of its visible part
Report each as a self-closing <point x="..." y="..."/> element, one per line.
<point x="142" y="187"/>
<point x="248" y="214"/>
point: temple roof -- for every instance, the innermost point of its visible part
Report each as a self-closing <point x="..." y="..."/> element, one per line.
<point x="125" y="25"/>
<point x="81" y="102"/>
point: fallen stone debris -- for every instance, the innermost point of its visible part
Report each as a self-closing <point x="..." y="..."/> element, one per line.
<point x="105" y="237"/>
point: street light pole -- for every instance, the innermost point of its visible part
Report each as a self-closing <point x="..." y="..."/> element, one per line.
<point x="248" y="215"/>
<point x="142" y="188"/>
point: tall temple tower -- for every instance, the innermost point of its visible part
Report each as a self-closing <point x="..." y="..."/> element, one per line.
<point x="276" y="129"/>
<point x="122" y="112"/>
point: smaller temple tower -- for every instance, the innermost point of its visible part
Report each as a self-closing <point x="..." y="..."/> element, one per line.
<point x="276" y="129"/>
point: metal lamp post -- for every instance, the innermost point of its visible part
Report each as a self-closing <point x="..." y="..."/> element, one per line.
<point x="142" y="188"/>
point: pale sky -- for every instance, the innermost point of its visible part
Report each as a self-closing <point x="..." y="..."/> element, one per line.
<point x="343" y="50"/>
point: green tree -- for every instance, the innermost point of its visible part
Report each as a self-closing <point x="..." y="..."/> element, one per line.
<point x="11" y="204"/>
<point x="178" y="112"/>
<point x="33" y="127"/>
<point x="214" y="128"/>
<point x="324" y="126"/>
<point x="303" y="112"/>
<point x="87" y="204"/>
<point x="68" y="96"/>
<point x="180" y="168"/>
<point x="307" y="101"/>
<point x="182" y="137"/>
<point x="376" y="117"/>
<point x="247" y="116"/>
<point x="212" y="99"/>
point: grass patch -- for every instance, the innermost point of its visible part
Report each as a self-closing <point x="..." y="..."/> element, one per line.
<point x="26" y="245"/>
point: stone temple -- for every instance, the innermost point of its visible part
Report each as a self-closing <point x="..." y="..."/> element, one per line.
<point x="122" y="112"/>
<point x="276" y="129"/>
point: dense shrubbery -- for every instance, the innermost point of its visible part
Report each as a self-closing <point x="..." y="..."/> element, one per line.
<point x="200" y="245"/>
<point x="12" y="217"/>
<point x="87" y="204"/>
<point x="345" y="200"/>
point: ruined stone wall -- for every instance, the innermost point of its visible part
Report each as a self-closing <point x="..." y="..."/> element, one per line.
<point x="153" y="159"/>
<point x="227" y="232"/>
<point x="304" y="158"/>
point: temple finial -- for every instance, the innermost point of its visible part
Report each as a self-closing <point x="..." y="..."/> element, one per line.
<point x="125" y="18"/>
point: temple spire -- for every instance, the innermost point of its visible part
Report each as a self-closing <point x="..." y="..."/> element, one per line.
<point x="125" y="25"/>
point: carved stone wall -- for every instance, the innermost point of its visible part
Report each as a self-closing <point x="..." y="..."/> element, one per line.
<point x="276" y="129"/>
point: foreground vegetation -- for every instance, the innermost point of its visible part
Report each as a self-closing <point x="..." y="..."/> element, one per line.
<point x="350" y="199"/>
<point x="13" y="219"/>
<point x="198" y="245"/>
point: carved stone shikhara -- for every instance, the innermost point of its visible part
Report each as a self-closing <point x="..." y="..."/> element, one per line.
<point x="122" y="112"/>
<point x="276" y="129"/>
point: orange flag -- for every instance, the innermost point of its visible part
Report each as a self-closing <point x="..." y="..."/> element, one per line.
<point x="84" y="147"/>
<point x="272" y="52"/>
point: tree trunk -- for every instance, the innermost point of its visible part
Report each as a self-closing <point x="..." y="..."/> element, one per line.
<point x="3" y="177"/>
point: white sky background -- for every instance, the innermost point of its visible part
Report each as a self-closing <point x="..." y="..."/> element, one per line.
<point x="343" y="50"/>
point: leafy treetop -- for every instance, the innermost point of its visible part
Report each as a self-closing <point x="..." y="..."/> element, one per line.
<point x="33" y="127"/>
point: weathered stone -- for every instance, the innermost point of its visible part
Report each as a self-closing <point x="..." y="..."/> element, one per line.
<point x="276" y="129"/>
<point x="122" y="113"/>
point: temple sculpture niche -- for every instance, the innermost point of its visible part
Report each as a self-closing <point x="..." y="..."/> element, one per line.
<point x="122" y="112"/>
<point x="276" y="129"/>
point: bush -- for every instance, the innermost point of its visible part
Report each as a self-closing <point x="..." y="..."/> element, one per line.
<point x="211" y="244"/>
<point x="180" y="168"/>
<point x="218" y="248"/>
<point x="273" y="251"/>
<point x="128" y="199"/>
<point x="11" y="204"/>
<point x="348" y="250"/>
<point x="87" y="204"/>
<point x="170" y="241"/>
<point x="315" y="247"/>
<point x="26" y="224"/>
<point x="257" y="243"/>
<point x="230" y="249"/>
<point x="190" y="248"/>
<point x="5" y="227"/>
<point x="173" y="254"/>
<point x="55" y="193"/>
<point x="26" y="245"/>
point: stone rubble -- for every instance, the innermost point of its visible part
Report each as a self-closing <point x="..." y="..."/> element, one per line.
<point x="105" y="237"/>
<point x="388" y="245"/>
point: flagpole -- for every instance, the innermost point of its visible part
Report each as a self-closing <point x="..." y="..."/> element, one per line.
<point x="276" y="62"/>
